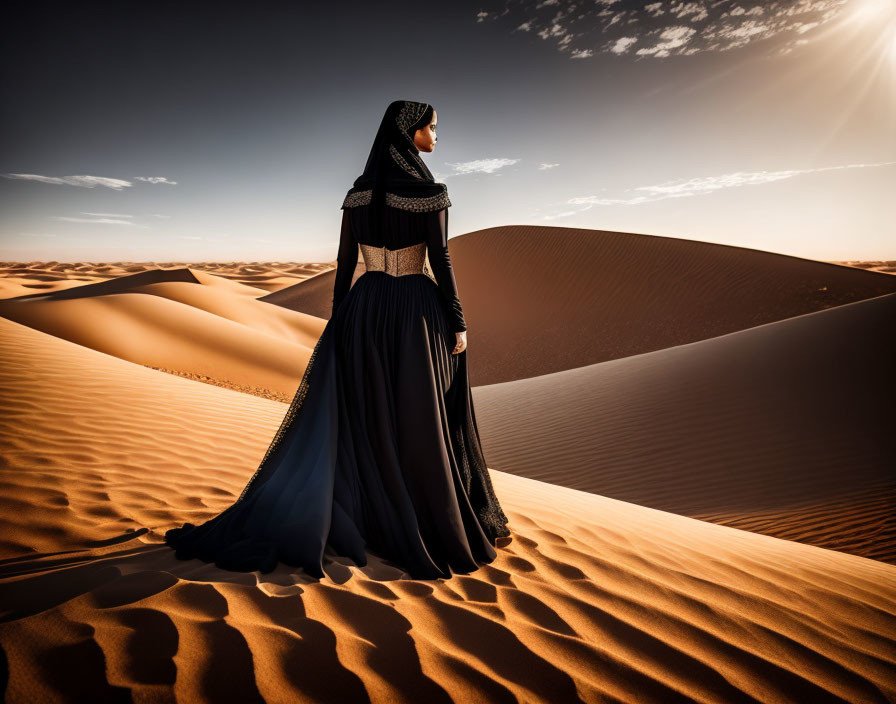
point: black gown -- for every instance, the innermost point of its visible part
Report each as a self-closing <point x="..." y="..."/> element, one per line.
<point x="379" y="450"/>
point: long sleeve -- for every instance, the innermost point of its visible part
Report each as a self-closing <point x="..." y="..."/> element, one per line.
<point x="437" y="247"/>
<point x="346" y="261"/>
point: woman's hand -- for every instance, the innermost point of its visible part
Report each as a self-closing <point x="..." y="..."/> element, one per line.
<point x="461" y="342"/>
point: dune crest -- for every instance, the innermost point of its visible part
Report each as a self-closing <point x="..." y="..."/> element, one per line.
<point x="192" y="324"/>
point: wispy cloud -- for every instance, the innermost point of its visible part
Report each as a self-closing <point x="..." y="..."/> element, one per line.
<point x="670" y="39"/>
<point x="621" y="45"/>
<point x="81" y="181"/>
<point x="684" y="188"/>
<point x="85" y="181"/>
<point x="661" y="29"/>
<point x="97" y="221"/>
<point x="480" y="166"/>
<point x="543" y="166"/>
<point x="155" y="179"/>
<point x="107" y="215"/>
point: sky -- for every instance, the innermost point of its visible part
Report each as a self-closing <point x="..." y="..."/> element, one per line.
<point x="199" y="132"/>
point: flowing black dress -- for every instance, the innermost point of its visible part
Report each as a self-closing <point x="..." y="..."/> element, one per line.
<point x="379" y="449"/>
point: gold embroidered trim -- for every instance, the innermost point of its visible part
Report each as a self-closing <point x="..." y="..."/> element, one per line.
<point x="413" y="259"/>
<point x="400" y="160"/>
<point x="357" y="198"/>
<point x="409" y="114"/>
<point x="416" y="157"/>
<point x="418" y="205"/>
<point x="396" y="262"/>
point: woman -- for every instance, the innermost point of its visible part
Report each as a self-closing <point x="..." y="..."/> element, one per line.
<point x="379" y="449"/>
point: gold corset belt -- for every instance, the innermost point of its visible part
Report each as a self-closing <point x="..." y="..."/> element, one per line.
<point x="396" y="262"/>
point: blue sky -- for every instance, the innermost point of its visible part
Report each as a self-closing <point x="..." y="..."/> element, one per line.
<point x="165" y="133"/>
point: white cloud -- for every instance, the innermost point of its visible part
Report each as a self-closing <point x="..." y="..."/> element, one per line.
<point x="803" y="28"/>
<point x="701" y="186"/>
<point x="686" y="9"/>
<point x="672" y="38"/>
<point x="107" y="215"/>
<point x="481" y="166"/>
<point x="555" y="30"/>
<point x="97" y="221"/>
<point x="155" y="179"/>
<point x="85" y="181"/>
<point x="709" y="25"/>
<point x="543" y="166"/>
<point x="614" y="18"/>
<point x="621" y="45"/>
<point x="81" y="181"/>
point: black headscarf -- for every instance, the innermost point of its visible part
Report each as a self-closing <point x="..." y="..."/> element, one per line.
<point x="395" y="174"/>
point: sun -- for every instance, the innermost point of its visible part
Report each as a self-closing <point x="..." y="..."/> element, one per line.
<point x="878" y="19"/>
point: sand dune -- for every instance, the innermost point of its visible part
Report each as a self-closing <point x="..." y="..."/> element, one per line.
<point x="785" y="427"/>
<point x="194" y="338"/>
<point x="537" y="299"/>
<point x="594" y="599"/>
<point x="313" y="296"/>
<point x="672" y="432"/>
<point x="545" y="299"/>
<point x="119" y="284"/>
<point x="190" y="323"/>
<point x="23" y="278"/>
<point x="887" y="267"/>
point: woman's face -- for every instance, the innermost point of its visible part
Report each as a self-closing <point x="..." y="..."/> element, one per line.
<point x="425" y="138"/>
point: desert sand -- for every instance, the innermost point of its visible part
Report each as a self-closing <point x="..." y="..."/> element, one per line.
<point x="772" y="420"/>
<point x="785" y="428"/>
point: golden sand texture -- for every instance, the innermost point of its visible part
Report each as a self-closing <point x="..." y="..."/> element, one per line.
<point x="784" y="428"/>
<point x="594" y="599"/>
<point x="192" y="323"/>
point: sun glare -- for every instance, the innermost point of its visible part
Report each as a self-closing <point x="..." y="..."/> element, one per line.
<point x="878" y="18"/>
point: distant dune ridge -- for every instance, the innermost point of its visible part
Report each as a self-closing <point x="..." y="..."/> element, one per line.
<point x="25" y="278"/>
<point x="692" y="381"/>
<point x="190" y="322"/>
